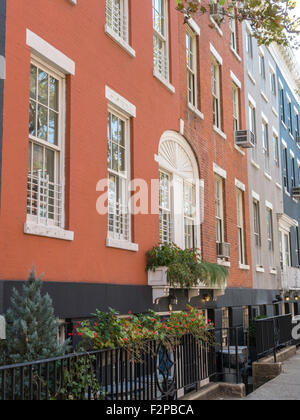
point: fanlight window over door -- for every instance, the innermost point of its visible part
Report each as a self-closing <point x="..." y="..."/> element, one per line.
<point x="179" y="192"/>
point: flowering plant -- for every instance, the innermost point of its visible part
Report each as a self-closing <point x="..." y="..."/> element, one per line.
<point x="185" y="266"/>
<point x="133" y="332"/>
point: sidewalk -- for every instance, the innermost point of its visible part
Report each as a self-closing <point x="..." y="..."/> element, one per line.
<point x="284" y="387"/>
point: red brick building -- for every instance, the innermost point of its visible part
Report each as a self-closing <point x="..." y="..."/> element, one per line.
<point x="106" y="95"/>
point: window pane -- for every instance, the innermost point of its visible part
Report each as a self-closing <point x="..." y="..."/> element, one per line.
<point x="33" y="77"/>
<point x="115" y="157"/>
<point x="38" y="158"/>
<point x="53" y="91"/>
<point x="43" y="87"/>
<point x="50" y="164"/>
<point x="32" y="118"/>
<point x="53" y="127"/>
<point x="42" y="122"/>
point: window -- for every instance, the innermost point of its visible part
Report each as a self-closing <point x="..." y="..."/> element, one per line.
<point x="266" y="147"/>
<point x="191" y="60"/>
<point x="118" y="176"/>
<point x="165" y="216"/>
<point x="273" y="87"/>
<point x="252" y="127"/>
<point x="246" y="318"/>
<point x="249" y="51"/>
<point x="282" y="106"/>
<point x="293" y="172"/>
<point x="233" y="34"/>
<point x="236" y="107"/>
<point x="219" y="206"/>
<point x="257" y="231"/>
<point x="117" y="17"/>
<point x="285" y="249"/>
<point x="189" y="214"/>
<point x="276" y="158"/>
<point x="240" y="225"/>
<point x="297" y="246"/>
<point x="216" y="93"/>
<point x="296" y="125"/>
<point x="225" y="327"/>
<point x="262" y="72"/>
<point x="290" y="117"/>
<point x="45" y="190"/>
<point x="179" y="220"/>
<point x="160" y="38"/>
<point x="285" y="170"/>
<point x="270" y="237"/>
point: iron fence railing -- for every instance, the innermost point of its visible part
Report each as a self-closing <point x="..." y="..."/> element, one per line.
<point x="162" y="372"/>
<point x="272" y="334"/>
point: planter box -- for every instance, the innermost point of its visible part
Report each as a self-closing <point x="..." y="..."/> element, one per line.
<point x="158" y="277"/>
<point x="158" y="280"/>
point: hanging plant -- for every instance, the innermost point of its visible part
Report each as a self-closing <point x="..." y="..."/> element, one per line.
<point x="185" y="267"/>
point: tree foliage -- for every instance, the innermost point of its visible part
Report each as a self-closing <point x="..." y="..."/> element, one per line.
<point x="270" y="20"/>
<point x="31" y="326"/>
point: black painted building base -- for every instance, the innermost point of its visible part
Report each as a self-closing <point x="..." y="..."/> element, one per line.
<point x="76" y="301"/>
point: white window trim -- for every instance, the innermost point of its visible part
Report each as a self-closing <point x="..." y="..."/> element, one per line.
<point x="159" y="76"/>
<point x="194" y="70"/>
<point x="48" y="231"/>
<point x="49" y="53"/>
<point x="119" y="40"/>
<point x="269" y="205"/>
<point x="219" y="171"/>
<point x="256" y="196"/>
<point x="194" y="26"/>
<point x="236" y="81"/>
<point x="31" y="227"/>
<point x="216" y="55"/>
<point x="120" y="107"/>
<point x="240" y="185"/>
<point x="120" y="102"/>
<point x="119" y="244"/>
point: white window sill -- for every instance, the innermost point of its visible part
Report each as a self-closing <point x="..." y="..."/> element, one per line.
<point x="283" y="123"/>
<point x="196" y="111"/>
<point x="120" y="41"/>
<point x="238" y="149"/>
<point x="273" y="271"/>
<point x="121" y="244"/>
<point x="236" y="54"/>
<point x="48" y="231"/>
<point x="164" y="82"/>
<point x="244" y="267"/>
<point x="223" y="262"/>
<point x="274" y="112"/>
<point x="260" y="269"/>
<point x="220" y="132"/>
<point x="278" y="186"/>
<point x="256" y="165"/>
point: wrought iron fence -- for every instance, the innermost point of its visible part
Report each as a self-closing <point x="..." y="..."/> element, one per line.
<point x="272" y="334"/>
<point x="163" y="372"/>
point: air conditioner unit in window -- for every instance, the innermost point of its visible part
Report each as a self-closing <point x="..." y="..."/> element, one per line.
<point x="244" y="138"/>
<point x="296" y="193"/>
<point x="217" y="12"/>
<point x="223" y="250"/>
